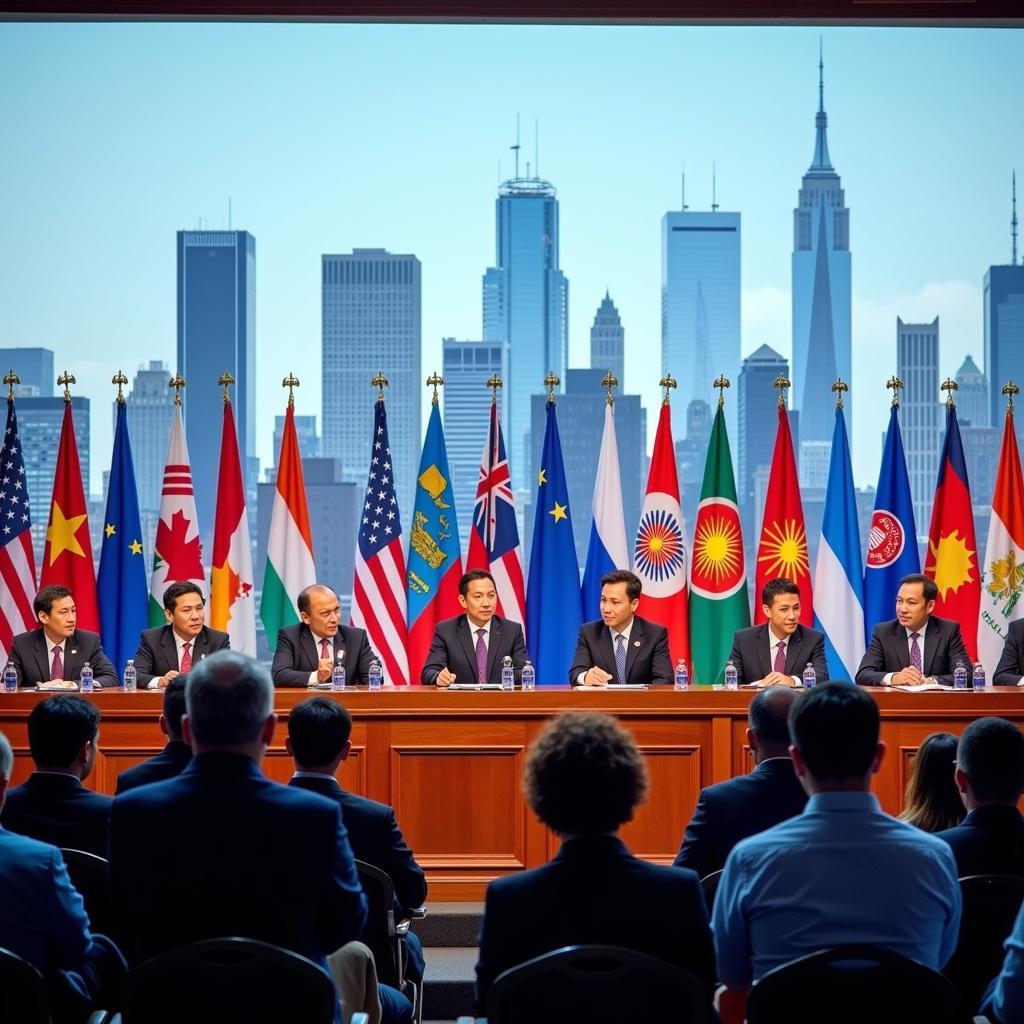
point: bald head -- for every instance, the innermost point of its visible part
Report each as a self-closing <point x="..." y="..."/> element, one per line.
<point x="768" y="722"/>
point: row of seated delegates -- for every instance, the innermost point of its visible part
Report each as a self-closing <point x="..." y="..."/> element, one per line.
<point x="43" y="920"/>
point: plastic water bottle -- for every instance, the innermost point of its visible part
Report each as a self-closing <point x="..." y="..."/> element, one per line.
<point x="960" y="676"/>
<point x="10" y="678"/>
<point x="86" y="678"/>
<point x="810" y="677"/>
<point x="508" y="674"/>
<point x="978" y="676"/>
<point x="732" y="679"/>
<point x="338" y="673"/>
<point x="528" y="677"/>
<point x="131" y="676"/>
<point x="374" y="675"/>
<point x="682" y="676"/>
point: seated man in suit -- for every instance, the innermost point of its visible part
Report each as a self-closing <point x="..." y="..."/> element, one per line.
<point x="748" y="804"/>
<point x="1010" y="670"/>
<point x="584" y="778"/>
<point x="621" y="648"/>
<point x="52" y="805"/>
<point x="57" y="650"/>
<point x="164" y="651"/>
<point x="990" y="777"/>
<point x="307" y="651"/>
<point x="843" y="871"/>
<point x="776" y="652"/>
<point x="471" y="648"/>
<point x="916" y="647"/>
<point x="175" y="757"/>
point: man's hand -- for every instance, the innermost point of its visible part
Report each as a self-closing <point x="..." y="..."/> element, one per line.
<point x="445" y="677"/>
<point x="167" y="677"/>
<point x="324" y="668"/>
<point x="597" y="677"/>
<point x="909" y="676"/>
<point x="777" y="679"/>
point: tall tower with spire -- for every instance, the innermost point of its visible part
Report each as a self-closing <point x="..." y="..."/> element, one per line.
<point x="607" y="341"/>
<point x="821" y="286"/>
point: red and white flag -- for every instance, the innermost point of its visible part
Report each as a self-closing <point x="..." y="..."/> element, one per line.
<point x="17" y="562"/>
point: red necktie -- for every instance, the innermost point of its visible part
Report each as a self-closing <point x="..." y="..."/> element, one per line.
<point x="57" y="671"/>
<point x="186" y="657"/>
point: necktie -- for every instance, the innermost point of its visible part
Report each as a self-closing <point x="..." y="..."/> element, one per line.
<point x="325" y="649"/>
<point x="915" y="651"/>
<point x="186" y="657"/>
<point x="780" y="656"/>
<point x="620" y="658"/>
<point x="481" y="656"/>
<point x="57" y="670"/>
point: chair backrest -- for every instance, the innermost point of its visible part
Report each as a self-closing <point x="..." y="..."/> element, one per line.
<point x="379" y="933"/>
<point x="596" y="984"/>
<point x="709" y="886"/>
<point x="229" y="979"/>
<point x="90" y="876"/>
<point x="22" y="991"/>
<point x="852" y="985"/>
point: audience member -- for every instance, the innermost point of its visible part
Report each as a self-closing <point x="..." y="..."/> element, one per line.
<point x="175" y="757"/>
<point x="1004" y="1003"/>
<point x="841" y="872"/>
<point x="748" y="804"/>
<point x="52" y="805"/>
<point x="584" y="778"/>
<point x="932" y="801"/>
<point x="990" y="777"/>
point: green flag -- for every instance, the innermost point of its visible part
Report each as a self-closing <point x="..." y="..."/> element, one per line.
<point x="718" y="577"/>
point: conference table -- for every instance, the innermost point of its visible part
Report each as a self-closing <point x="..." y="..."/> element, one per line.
<point x="451" y="762"/>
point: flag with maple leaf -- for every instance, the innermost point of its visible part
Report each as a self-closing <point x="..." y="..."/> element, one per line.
<point x="177" y="554"/>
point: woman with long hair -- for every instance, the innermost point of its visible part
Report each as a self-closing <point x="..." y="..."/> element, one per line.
<point x="932" y="801"/>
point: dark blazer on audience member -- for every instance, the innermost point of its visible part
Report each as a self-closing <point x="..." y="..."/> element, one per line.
<point x="454" y="647"/>
<point x="1010" y="669"/>
<point x="158" y="653"/>
<point x="753" y="658"/>
<point x="56" y="808"/>
<point x="595" y="891"/>
<point x="647" y="657"/>
<point x="737" y="808"/>
<point x="169" y="763"/>
<point x="889" y="651"/>
<point x="298" y="654"/>
<point x="32" y="663"/>
<point x="989" y="841"/>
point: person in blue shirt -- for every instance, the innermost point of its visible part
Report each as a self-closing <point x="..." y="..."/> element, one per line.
<point x="1005" y="1003"/>
<point x="841" y="872"/>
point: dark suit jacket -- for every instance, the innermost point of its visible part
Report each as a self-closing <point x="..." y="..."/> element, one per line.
<point x="595" y="891"/>
<point x="168" y="764"/>
<point x="238" y="855"/>
<point x="737" y="808"/>
<point x="752" y="656"/>
<point x="989" y="841"/>
<point x="298" y="654"/>
<point x="647" y="657"/>
<point x="158" y="653"/>
<point x="58" y="809"/>
<point x="1010" y="669"/>
<point x="454" y="648"/>
<point x="29" y="657"/>
<point x="890" y="652"/>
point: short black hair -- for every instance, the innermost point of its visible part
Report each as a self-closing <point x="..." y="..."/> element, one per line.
<point x="584" y="774"/>
<point x="991" y="755"/>
<point x="929" y="588"/>
<point x="768" y="714"/>
<point x="58" y="727"/>
<point x="174" y="705"/>
<point x="179" y="589"/>
<point x="633" y="585"/>
<point x="44" y="599"/>
<point x="303" y="599"/>
<point x="835" y="727"/>
<point x="319" y="728"/>
<point x="779" y="585"/>
<point x="470" y="575"/>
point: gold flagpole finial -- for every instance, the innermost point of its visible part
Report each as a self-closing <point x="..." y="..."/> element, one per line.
<point x="177" y="382"/>
<point x="839" y="388"/>
<point x="291" y="382"/>
<point x="949" y="386"/>
<point x="551" y="382"/>
<point x="63" y="381"/>
<point x="668" y="382"/>
<point x="895" y="384"/>
<point x="609" y="381"/>
<point x="780" y="384"/>
<point x="380" y="382"/>
<point x="435" y="380"/>
<point x="120" y="380"/>
<point x="721" y="383"/>
<point x="10" y="379"/>
<point x="1009" y="389"/>
<point x="493" y="382"/>
<point x="225" y="380"/>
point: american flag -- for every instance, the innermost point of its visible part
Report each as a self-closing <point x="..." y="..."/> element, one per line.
<point x="378" y="593"/>
<point x="17" y="563"/>
<point x="494" y="539"/>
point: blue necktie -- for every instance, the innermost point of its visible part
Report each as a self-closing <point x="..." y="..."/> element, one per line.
<point x="620" y="658"/>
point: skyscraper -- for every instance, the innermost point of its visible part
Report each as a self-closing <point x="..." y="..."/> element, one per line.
<point x="821" y="288"/>
<point x="607" y="341"/>
<point x="216" y="332"/>
<point x="150" y="409"/>
<point x="972" y="404"/>
<point x="33" y="365"/>
<point x="305" y="432"/>
<point x="526" y="302"/>
<point x="371" y="321"/>
<point x="691" y="453"/>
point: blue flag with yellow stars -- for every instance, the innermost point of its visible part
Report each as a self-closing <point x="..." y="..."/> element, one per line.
<point x="553" y="604"/>
<point x="121" y="584"/>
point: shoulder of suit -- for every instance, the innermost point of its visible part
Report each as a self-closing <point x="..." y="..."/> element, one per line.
<point x="83" y="636"/>
<point x="751" y="632"/>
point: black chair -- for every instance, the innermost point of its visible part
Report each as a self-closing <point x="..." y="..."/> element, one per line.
<point x="90" y="876"/>
<point x="852" y="985"/>
<point x="709" y="886"/>
<point x="596" y="984"/>
<point x="23" y="996"/>
<point x="229" y="981"/>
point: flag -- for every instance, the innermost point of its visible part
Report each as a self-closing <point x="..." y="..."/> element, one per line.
<point x="378" y="591"/>
<point x="718" y="577"/>
<point x="17" y="562"/>
<point x="435" y="560"/>
<point x="553" y="606"/>
<point x="177" y="553"/>
<point x="607" y="549"/>
<point x="660" y="554"/>
<point x="892" y="539"/>
<point x="494" y="539"/>
<point x="290" y="567"/>
<point x="838" y="584"/>
<point x="121" y="582"/>
<point x="952" y="557"/>
<point x="782" y="550"/>
<point x="1003" y="568"/>
<point x="67" y="556"/>
<point x="231" y="591"/>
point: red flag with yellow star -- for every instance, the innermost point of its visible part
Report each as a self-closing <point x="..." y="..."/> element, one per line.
<point x="782" y="550"/>
<point x="67" y="556"/>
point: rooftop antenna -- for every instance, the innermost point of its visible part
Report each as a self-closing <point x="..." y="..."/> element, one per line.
<point x="527" y="168"/>
<point x="515" y="148"/>
<point x="1013" y="224"/>
<point x="229" y="213"/>
<point x="714" y="188"/>
<point x="821" y="76"/>
<point x="536" y="146"/>
<point x="685" y="207"/>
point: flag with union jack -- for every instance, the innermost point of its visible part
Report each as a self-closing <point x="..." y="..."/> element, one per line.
<point x="378" y="592"/>
<point x="494" y="539"/>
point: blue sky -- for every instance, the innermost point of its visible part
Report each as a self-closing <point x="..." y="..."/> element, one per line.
<point x="329" y="137"/>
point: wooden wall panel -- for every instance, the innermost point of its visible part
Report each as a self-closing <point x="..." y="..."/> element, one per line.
<point x="675" y="782"/>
